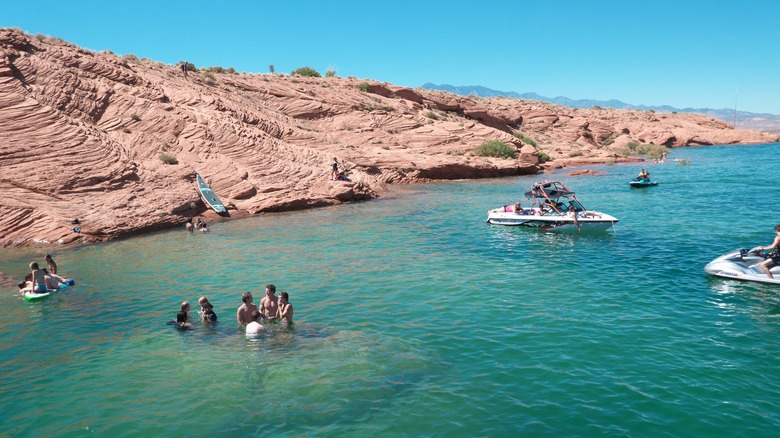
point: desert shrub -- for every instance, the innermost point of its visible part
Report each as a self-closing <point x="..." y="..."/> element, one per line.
<point x="364" y="87"/>
<point x="330" y="73"/>
<point x="125" y="130"/>
<point x="130" y="57"/>
<point x="596" y="107"/>
<point x="168" y="158"/>
<point x="543" y="157"/>
<point x="524" y="139"/>
<point x="573" y="154"/>
<point x="657" y="151"/>
<point x="135" y="117"/>
<point x="216" y="69"/>
<point x="636" y="148"/>
<point x="495" y="148"/>
<point x="231" y="70"/>
<point x="431" y="115"/>
<point x="209" y="78"/>
<point x="306" y="71"/>
<point x="609" y="140"/>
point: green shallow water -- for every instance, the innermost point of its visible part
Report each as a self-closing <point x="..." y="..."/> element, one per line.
<point x="415" y="318"/>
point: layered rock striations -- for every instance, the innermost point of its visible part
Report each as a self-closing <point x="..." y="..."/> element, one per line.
<point x="115" y="141"/>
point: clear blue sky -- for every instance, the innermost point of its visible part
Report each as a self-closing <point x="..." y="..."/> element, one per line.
<point x="683" y="53"/>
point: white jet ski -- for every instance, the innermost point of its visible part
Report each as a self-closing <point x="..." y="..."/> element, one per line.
<point x="742" y="264"/>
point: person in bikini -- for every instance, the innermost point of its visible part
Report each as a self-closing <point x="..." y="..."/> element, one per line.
<point x="517" y="208"/>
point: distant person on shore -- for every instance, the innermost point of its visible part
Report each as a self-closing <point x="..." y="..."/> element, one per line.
<point x="188" y="225"/>
<point x="269" y="305"/>
<point x="184" y="69"/>
<point x="334" y="173"/>
<point x="38" y="278"/>
<point x="774" y="256"/>
<point x="285" y="308"/>
<point x="244" y="312"/>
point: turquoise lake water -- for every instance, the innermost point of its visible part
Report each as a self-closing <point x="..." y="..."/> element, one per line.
<point x="416" y="318"/>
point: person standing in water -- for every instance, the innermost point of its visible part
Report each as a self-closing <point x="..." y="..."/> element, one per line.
<point x="285" y="308"/>
<point x="51" y="263"/>
<point x="269" y="305"/>
<point x="244" y="312"/>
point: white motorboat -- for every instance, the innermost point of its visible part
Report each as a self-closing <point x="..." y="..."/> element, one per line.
<point x="742" y="264"/>
<point x="553" y="208"/>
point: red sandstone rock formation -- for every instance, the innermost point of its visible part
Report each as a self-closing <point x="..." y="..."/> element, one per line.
<point x="92" y="136"/>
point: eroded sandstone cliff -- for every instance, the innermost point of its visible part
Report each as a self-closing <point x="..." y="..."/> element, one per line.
<point x="93" y="136"/>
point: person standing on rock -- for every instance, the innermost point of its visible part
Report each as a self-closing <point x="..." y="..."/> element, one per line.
<point x="335" y="170"/>
<point x="184" y="69"/>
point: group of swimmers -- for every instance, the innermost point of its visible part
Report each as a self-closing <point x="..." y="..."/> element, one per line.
<point x="206" y="312"/>
<point x="272" y="309"/>
<point x="39" y="280"/>
<point x="199" y="224"/>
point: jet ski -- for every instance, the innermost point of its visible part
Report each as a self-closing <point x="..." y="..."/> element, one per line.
<point x="742" y="264"/>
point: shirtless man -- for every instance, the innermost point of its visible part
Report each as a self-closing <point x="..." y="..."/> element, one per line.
<point x="38" y="279"/>
<point x="269" y="305"/>
<point x="244" y="313"/>
<point x="285" y="308"/>
<point x="52" y="281"/>
<point x="775" y="257"/>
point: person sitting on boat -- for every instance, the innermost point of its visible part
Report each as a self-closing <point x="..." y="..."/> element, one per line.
<point x="774" y="256"/>
<point x="516" y="208"/>
<point x="644" y="175"/>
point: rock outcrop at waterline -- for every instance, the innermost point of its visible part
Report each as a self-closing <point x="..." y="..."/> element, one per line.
<point x="115" y="141"/>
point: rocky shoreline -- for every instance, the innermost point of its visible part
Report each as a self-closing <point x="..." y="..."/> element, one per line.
<point x="115" y="141"/>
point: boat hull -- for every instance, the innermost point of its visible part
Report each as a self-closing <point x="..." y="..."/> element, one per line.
<point x="642" y="184"/>
<point x="742" y="265"/>
<point x="555" y="223"/>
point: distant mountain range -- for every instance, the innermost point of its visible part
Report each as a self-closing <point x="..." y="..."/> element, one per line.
<point x="745" y="120"/>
